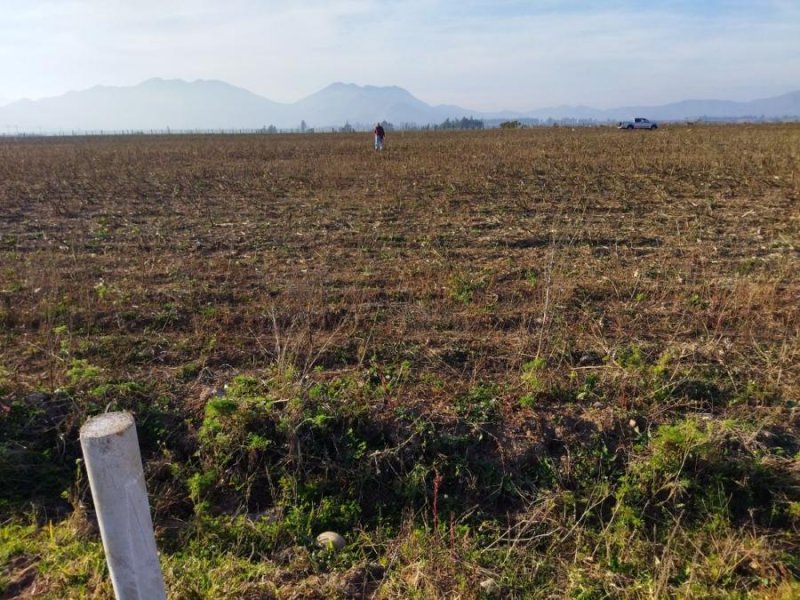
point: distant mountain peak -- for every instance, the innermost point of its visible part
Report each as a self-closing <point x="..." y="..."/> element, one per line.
<point x="354" y="87"/>
<point x="340" y="85"/>
<point x="175" y="82"/>
<point x="209" y="104"/>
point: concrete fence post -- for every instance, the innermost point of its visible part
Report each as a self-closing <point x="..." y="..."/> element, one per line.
<point x="114" y="464"/>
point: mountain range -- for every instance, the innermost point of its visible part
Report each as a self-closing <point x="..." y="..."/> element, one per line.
<point x="158" y="104"/>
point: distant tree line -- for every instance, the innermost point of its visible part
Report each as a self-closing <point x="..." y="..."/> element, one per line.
<point x="462" y="123"/>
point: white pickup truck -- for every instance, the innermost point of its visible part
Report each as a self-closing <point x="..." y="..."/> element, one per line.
<point x="638" y="123"/>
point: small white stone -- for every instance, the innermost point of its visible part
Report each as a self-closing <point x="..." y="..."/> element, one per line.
<point x="489" y="586"/>
<point x="330" y="540"/>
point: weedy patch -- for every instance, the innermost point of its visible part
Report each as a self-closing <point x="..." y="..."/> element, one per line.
<point x="464" y="287"/>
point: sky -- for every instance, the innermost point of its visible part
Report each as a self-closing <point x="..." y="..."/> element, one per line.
<point x="480" y="54"/>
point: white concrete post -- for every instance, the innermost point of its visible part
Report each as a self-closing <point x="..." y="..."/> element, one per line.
<point x="111" y="451"/>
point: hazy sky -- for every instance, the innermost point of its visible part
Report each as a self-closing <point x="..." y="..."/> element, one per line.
<point x="480" y="54"/>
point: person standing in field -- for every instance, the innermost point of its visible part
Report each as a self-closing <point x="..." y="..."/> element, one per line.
<point x="379" y="135"/>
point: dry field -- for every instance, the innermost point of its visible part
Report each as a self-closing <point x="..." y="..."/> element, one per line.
<point x="537" y="363"/>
